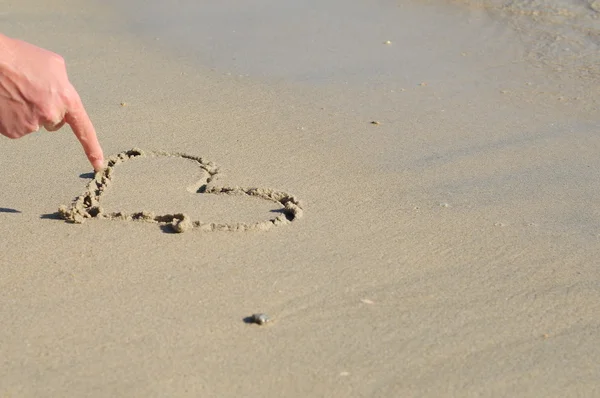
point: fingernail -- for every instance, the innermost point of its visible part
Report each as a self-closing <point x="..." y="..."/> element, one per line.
<point x="98" y="164"/>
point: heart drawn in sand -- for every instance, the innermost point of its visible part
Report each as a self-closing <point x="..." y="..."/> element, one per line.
<point x="87" y="205"/>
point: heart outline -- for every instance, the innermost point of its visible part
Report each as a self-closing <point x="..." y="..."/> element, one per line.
<point x="87" y="205"/>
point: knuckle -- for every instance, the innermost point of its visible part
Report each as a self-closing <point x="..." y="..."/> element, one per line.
<point x="59" y="60"/>
<point x="95" y="156"/>
<point x="31" y="127"/>
<point x="70" y="97"/>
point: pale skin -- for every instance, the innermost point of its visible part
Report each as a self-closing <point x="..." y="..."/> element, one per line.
<point x="35" y="92"/>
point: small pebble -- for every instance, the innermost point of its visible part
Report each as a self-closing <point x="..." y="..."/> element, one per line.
<point x="123" y="103"/>
<point x="375" y="122"/>
<point x="387" y="42"/>
<point x="260" y="319"/>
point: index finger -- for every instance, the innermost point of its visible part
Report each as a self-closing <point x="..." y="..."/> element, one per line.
<point x="84" y="130"/>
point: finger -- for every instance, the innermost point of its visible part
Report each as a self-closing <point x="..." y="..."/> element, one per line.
<point x="84" y="130"/>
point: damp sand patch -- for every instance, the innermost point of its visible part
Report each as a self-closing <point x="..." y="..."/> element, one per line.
<point x="88" y="205"/>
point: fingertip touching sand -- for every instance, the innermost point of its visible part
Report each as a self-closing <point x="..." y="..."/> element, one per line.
<point x="88" y="204"/>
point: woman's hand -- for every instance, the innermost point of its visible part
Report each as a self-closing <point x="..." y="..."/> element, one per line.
<point x="35" y="92"/>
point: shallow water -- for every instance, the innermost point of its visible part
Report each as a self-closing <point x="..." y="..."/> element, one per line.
<point x="563" y="34"/>
<point x="314" y="41"/>
<point x="334" y="41"/>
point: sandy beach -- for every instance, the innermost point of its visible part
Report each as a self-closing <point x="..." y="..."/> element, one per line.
<point x="446" y="158"/>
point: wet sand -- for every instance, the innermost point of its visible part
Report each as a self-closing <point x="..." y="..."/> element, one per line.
<point x="450" y="249"/>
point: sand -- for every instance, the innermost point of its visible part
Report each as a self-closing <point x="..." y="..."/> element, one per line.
<point x="449" y="250"/>
<point x="90" y="204"/>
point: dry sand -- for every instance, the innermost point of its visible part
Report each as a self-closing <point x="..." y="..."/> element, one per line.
<point x="449" y="250"/>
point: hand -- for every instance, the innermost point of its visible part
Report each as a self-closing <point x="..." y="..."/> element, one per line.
<point x="35" y="91"/>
